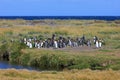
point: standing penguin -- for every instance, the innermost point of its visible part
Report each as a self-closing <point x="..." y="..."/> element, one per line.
<point x="55" y="44"/>
<point x="97" y="44"/>
<point x="100" y="43"/>
<point x="30" y="45"/>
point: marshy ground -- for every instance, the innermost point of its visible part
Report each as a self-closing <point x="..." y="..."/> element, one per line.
<point x="104" y="62"/>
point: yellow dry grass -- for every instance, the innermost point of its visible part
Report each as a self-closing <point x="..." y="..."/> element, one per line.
<point x="71" y="30"/>
<point x="63" y="75"/>
<point x="63" y="26"/>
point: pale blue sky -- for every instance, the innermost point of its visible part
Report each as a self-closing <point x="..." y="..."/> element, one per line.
<point x="59" y="7"/>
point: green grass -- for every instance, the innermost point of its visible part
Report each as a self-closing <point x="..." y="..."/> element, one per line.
<point x="56" y="59"/>
<point x="59" y="60"/>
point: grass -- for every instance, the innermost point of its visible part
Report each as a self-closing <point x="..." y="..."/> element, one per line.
<point x="72" y="30"/>
<point x="78" y="60"/>
<point x="108" y="33"/>
<point x="103" y="59"/>
<point x="64" y="75"/>
<point x="49" y="59"/>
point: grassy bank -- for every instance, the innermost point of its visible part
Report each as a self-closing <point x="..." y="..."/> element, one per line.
<point x="56" y="59"/>
<point x="64" y="75"/>
<point x="59" y="60"/>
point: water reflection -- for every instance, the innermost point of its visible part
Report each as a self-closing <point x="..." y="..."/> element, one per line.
<point x="7" y="65"/>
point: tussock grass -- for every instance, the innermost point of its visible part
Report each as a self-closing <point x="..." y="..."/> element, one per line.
<point x="59" y="60"/>
<point x="103" y="59"/>
<point x="72" y="30"/>
<point x="109" y="34"/>
<point x="64" y="75"/>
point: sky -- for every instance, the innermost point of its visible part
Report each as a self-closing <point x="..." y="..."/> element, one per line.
<point x="59" y="7"/>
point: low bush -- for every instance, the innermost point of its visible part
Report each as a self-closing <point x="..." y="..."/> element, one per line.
<point x="55" y="61"/>
<point x="59" y="60"/>
<point x="14" y="50"/>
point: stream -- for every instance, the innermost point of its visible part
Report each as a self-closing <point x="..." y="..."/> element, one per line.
<point x="7" y="65"/>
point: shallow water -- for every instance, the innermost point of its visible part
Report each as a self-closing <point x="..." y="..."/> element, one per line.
<point x="7" y="65"/>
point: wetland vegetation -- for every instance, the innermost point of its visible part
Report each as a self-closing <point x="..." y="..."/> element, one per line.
<point x="65" y="62"/>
